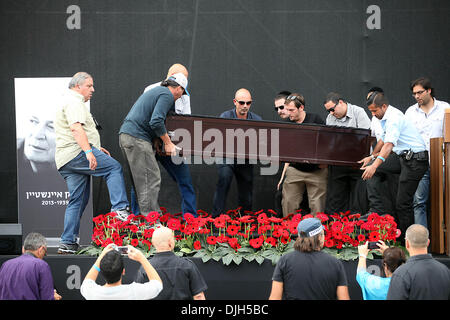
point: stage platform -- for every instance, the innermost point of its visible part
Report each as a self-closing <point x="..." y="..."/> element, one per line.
<point x="248" y="281"/>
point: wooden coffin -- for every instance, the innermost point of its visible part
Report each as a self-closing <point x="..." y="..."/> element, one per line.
<point x="268" y="140"/>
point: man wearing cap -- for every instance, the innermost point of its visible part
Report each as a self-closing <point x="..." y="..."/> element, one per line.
<point x="307" y="273"/>
<point x="145" y="122"/>
<point x="178" y="170"/>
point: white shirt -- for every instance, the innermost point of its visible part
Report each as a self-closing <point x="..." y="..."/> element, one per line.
<point x="430" y="125"/>
<point x="90" y="290"/>
<point x="182" y="105"/>
<point x="355" y="117"/>
<point x="399" y="131"/>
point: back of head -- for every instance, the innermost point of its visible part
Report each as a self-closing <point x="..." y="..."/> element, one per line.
<point x="310" y="235"/>
<point x="161" y="238"/>
<point x="393" y="257"/>
<point x="112" y="266"/>
<point x="78" y="79"/>
<point x="34" y="241"/>
<point x="417" y="236"/>
<point x="177" y="68"/>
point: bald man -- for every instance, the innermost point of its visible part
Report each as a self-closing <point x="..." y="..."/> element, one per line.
<point x="177" y="170"/>
<point x="243" y="172"/>
<point x="180" y="276"/>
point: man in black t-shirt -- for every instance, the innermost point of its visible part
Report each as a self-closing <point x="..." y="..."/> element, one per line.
<point x="301" y="176"/>
<point x="180" y="276"/>
<point x="308" y="273"/>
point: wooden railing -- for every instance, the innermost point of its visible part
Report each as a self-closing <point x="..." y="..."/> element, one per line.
<point x="440" y="190"/>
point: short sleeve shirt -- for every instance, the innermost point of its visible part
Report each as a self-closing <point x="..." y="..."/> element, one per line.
<point x="72" y="111"/>
<point x="180" y="276"/>
<point x="356" y="117"/>
<point x="373" y="287"/>
<point x="90" y="290"/>
<point x="309" y="275"/>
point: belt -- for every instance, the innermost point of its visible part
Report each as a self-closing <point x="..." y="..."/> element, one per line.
<point x="423" y="155"/>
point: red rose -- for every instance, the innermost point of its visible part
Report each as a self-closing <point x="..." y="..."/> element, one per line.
<point x="197" y="245"/>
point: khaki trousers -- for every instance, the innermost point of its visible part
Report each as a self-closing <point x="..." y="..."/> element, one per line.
<point x="294" y="186"/>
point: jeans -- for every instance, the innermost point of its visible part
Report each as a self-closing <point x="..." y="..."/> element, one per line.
<point x="244" y="179"/>
<point x="77" y="175"/>
<point x="421" y="200"/>
<point x="181" y="175"/>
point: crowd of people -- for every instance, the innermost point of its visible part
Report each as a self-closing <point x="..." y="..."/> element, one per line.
<point x="402" y="148"/>
<point x="306" y="273"/>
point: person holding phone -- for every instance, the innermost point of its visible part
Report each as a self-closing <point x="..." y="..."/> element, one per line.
<point x="375" y="287"/>
<point x="110" y="264"/>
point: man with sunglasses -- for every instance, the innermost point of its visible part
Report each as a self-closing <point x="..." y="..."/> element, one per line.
<point x="344" y="181"/>
<point x="243" y="172"/>
<point x="428" y="117"/>
<point x="301" y="176"/>
<point x="279" y="100"/>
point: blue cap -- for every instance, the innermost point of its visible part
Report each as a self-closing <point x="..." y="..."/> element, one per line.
<point x="309" y="227"/>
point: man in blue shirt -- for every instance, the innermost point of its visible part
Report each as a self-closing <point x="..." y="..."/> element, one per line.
<point x="399" y="136"/>
<point x="145" y="122"/>
<point x="243" y="172"/>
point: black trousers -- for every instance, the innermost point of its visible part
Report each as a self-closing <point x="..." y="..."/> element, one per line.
<point x="411" y="172"/>
<point x="346" y="190"/>
<point x="244" y="179"/>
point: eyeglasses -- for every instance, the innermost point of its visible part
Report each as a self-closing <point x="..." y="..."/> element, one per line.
<point x="418" y="93"/>
<point x="332" y="109"/>
<point x="245" y="102"/>
<point x="279" y="107"/>
<point x="292" y="98"/>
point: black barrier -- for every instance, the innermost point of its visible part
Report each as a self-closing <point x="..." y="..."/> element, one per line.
<point x="248" y="281"/>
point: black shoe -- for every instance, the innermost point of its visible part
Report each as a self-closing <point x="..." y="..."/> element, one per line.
<point x="68" y="248"/>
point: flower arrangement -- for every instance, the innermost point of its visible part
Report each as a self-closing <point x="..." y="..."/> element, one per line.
<point x="232" y="237"/>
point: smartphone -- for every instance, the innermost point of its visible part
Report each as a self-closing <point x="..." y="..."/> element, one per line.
<point x="123" y="250"/>
<point x="373" y="245"/>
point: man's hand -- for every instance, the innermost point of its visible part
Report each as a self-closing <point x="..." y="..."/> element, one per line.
<point x="135" y="254"/>
<point x="105" y="151"/>
<point x="170" y="149"/>
<point x="365" y="161"/>
<point x="92" y="160"/>
<point x="369" y="171"/>
<point x="157" y="145"/>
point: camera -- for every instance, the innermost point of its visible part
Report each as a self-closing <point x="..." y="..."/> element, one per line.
<point x="122" y="250"/>
<point x="373" y="245"/>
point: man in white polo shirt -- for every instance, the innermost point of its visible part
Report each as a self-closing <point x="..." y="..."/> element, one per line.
<point x="428" y="117"/>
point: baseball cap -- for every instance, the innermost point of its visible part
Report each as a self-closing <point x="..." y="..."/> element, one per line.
<point x="180" y="79"/>
<point x="309" y="227"/>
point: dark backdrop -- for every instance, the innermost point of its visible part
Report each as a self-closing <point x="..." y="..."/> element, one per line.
<point x="309" y="46"/>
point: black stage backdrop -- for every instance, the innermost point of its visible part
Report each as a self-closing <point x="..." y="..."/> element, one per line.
<point x="310" y="46"/>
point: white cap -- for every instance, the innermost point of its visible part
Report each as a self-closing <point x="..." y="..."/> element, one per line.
<point x="180" y="79"/>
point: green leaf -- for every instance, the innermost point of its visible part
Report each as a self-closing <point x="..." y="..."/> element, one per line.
<point x="227" y="259"/>
<point x="259" y="259"/>
<point x="237" y="259"/>
<point x="206" y="258"/>
<point x="186" y="250"/>
<point x="250" y="257"/>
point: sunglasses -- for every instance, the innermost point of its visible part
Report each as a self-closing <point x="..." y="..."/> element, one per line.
<point x="332" y="109"/>
<point x="279" y="107"/>
<point x="244" y="102"/>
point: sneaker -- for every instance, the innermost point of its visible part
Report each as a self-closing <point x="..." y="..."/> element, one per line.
<point x="123" y="214"/>
<point x="68" y="248"/>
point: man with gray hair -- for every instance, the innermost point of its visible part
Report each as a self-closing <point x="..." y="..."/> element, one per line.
<point x="79" y="155"/>
<point x="421" y="277"/>
<point x="28" y="277"/>
<point x="180" y="276"/>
